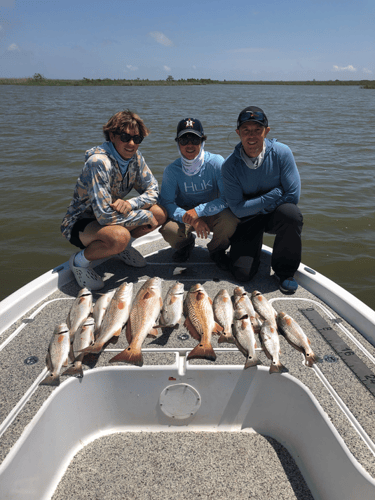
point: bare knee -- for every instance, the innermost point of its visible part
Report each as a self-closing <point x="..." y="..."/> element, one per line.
<point x="159" y="213"/>
<point x="116" y="238"/>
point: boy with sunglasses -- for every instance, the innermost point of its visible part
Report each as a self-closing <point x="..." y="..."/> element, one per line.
<point x="262" y="187"/>
<point x="98" y="220"/>
<point x="192" y="194"/>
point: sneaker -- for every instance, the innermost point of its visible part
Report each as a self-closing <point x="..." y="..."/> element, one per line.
<point x="131" y="257"/>
<point x="85" y="276"/>
<point x="287" y="285"/>
<point x="221" y="259"/>
<point x="183" y="254"/>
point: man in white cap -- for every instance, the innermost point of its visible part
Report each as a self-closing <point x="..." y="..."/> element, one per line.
<point x="262" y="187"/>
<point x="192" y="194"/>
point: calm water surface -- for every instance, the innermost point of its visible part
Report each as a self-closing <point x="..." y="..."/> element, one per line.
<point x="46" y="130"/>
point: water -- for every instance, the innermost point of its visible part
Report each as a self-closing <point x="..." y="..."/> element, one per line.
<point x="46" y="130"/>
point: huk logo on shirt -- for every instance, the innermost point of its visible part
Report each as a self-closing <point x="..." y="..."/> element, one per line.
<point x="194" y="188"/>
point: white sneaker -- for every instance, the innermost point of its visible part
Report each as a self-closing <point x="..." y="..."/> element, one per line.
<point x="85" y="276"/>
<point x="132" y="257"/>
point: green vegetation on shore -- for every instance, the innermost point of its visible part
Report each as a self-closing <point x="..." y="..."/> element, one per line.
<point x="40" y="80"/>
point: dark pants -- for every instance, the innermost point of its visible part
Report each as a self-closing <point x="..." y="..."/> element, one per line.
<point x="246" y="244"/>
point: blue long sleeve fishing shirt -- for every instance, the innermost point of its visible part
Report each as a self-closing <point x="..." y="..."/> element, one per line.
<point x="202" y="191"/>
<point x="261" y="190"/>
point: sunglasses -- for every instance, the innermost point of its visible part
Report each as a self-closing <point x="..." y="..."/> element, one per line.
<point x="185" y="139"/>
<point x="124" y="137"/>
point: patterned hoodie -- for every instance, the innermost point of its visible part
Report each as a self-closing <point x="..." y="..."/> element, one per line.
<point x="101" y="183"/>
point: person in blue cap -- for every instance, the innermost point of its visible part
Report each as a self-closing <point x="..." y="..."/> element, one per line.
<point x="262" y="187"/>
<point x="192" y="194"/>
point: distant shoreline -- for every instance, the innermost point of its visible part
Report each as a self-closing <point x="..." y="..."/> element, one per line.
<point x="39" y="80"/>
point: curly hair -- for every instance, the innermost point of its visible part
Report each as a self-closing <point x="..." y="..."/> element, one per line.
<point x="122" y="120"/>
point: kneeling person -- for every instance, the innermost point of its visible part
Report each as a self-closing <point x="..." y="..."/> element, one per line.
<point x="262" y="187"/>
<point x="98" y="219"/>
<point x="192" y="194"/>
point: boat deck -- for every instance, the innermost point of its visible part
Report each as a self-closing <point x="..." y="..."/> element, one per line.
<point x="186" y="464"/>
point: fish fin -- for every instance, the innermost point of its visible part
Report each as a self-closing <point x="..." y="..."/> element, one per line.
<point x="218" y="329"/>
<point x="210" y="300"/>
<point x="49" y="361"/>
<point x="277" y="367"/>
<point x="129" y="336"/>
<point x="308" y="340"/>
<point x="76" y="369"/>
<point x="52" y="380"/>
<point x="191" y="329"/>
<point x="129" y="355"/>
<point x="116" y="334"/>
<point x="161" y="303"/>
<point x="66" y="362"/>
<point x="202" y="351"/>
<point x="152" y="333"/>
<point x="252" y="361"/>
<point x="71" y="353"/>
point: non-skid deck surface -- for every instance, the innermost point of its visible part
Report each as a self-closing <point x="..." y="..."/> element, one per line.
<point x="16" y="377"/>
<point x="177" y="466"/>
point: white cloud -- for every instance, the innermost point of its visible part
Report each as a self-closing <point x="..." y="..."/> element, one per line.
<point x="14" y="46"/>
<point x="161" y="38"/>
<point x="167" y="68"/>
<point x="132" y="68"/>
<point x="368" y="71"/>
<point x="346" y="68"/>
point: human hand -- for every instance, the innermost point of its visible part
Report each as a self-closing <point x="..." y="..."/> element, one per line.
<point x="121" y="206"/>
<point x="190" y="216"/>
<point x="201" y="228"/>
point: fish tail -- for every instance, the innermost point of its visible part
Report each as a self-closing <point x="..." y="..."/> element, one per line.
<point x="51" y="379"/>
<point x="203" y="351"/>
<point x="277" y="367"/>
<point x="226" y="337"/>
<point x="92" y="349"/>
<point x="252" y="361"/>
<point x="76" y="369"/>
<point x="130" y="355"/>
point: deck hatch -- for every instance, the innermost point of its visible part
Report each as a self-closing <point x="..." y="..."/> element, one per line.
<point x="357" y="366"/>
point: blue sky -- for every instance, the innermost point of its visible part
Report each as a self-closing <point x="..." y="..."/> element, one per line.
<point x="217" y="39"/>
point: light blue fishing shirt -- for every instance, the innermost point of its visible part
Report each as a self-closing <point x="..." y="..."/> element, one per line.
<point x="202" y="191"/>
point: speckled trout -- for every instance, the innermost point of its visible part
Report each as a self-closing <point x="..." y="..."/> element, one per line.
<point x="223" y="314"/>
<point x="57" y="355"/>
<point x="83" y="338"/>
<point x="245" y="337"/>
<point x="79" y="312"/>
<point x="271" y="345"/>
<point x="296" y="337"/>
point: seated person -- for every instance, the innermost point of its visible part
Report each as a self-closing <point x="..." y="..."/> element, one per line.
<point x="192" y="194"/>
<point x="262" y="187"/>
<point x="98" y="219"/>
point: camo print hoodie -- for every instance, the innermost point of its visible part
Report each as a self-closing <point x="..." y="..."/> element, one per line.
<point x="102" y="183"/>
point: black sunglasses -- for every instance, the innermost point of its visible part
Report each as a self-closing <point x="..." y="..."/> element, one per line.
<point x="137" y="139"/>
<point x="185" y="139"/>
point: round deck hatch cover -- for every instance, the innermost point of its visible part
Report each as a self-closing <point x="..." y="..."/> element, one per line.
<point x="179" y="401"/>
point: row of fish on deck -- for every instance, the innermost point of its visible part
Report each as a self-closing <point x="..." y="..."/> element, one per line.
<point x="89" y="327"/>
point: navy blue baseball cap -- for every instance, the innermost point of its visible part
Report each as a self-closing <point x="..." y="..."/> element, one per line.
<point x="189" y="126"/>
<point x="252" y="114"/>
